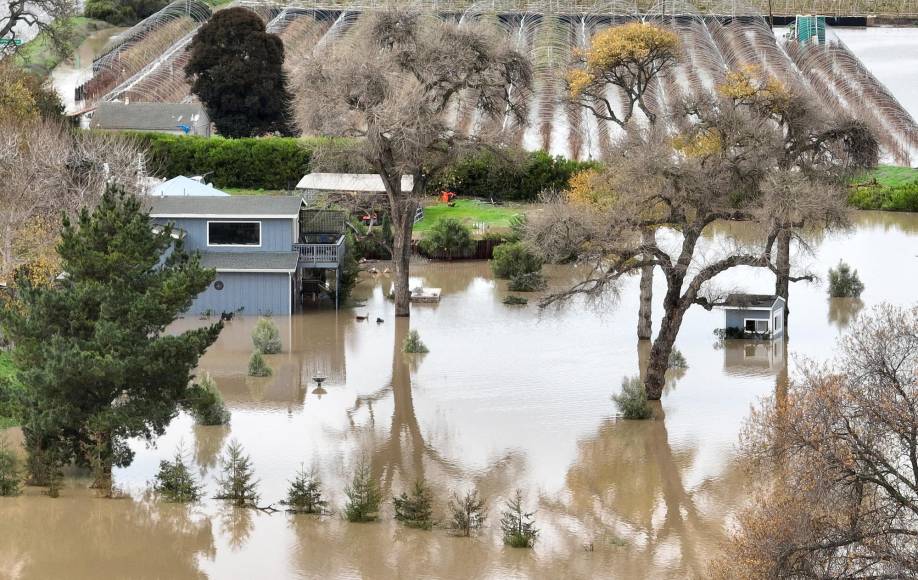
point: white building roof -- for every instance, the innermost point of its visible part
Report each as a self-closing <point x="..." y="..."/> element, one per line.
<point x="182" y="185"/>
<point x="350" y="182"/>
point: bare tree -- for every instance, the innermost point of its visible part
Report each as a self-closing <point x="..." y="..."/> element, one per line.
<point x="48" y="17"/>
<point x="47" y="169"/>
<point x="393" y="83"/>
<point x="838" y="458"/>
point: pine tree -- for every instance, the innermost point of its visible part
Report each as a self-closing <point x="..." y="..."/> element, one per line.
<point x="415" y="510"/>
<point x="237" y="481"/>
<point x="304" y="496"/>
<point x="468" y="512"/>
<point x="517" y="525"/>
<point x="363" y="496"/>
<point x="257" y="365"/>
<point x="174" y="482"/>
<point x="206" y="403"/>
<point x="96" y="365"/>
<point x="266" y="337"/>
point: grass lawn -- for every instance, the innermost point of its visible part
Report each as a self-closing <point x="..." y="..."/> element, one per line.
<point x="469" y="212"/>
<point x="243" y="191"/>
<point x="886" y="188"/>
<point x="891" y="176"/>
<point x="6" y="372"/>
<point x="38" y="56"/>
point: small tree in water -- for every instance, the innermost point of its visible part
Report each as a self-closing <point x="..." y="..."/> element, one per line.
<point x="363" y="496"/>
<point x="9" y="470"/>
<point x="468" y="512"/>
<point x="237" y="479"/>
<point x="518" y="525"/>
<point x="413" y="344"/>
<point x="207" y="404"/>
<point x="266" y="336"/>
<point x="415" y="510"/>
<point x="448" y="238"/>
<point x="677" y="359"/>
<point x="632" y="401"/>
<point x="174" y="482"/>
<point x="304" y="496"/>
<point x="257" y="365"/>
<point x="844" y="282"/>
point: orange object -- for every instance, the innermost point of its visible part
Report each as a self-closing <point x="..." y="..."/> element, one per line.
<point x="447" y="196"/>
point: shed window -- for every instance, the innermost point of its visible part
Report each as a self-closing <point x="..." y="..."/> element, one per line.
<point x="755" y="325"/>
<point x="233" y="233"/>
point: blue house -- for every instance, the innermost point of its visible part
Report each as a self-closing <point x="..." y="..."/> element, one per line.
<point x="754" y="316"/>
<point x="265" y="249"/>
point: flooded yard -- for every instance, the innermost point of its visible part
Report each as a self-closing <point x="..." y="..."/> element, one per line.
<point x="507" y="397"/>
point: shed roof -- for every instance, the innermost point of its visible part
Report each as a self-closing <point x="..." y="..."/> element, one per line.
<point x="350" y="182"/>
<point x="251" y="261"/>
<point x="146" y="116"/>
<point x="751" y="301"/>
<point x="185" y="186"/>
<point x="232" y="206"/>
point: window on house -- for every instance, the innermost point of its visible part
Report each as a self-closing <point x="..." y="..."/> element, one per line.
<point x="233" y="233"/>
<point x="755" y="325"/>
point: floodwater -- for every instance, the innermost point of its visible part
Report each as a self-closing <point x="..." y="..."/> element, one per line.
<point x="507" y="398"/>
<point x="77" y="69"/>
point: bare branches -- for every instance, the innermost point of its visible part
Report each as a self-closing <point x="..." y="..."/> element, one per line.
<point x="45" y="16"/>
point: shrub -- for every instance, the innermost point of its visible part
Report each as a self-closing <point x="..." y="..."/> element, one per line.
<point x="363" y="496"/>
<point x="207" y="404"/>
<point x="531" y="282"/>
<point x="174" y="482"/>
<point x="844" y="282"/>
<point x="413" y="344"/>
<point x="514" y="259"/>
<point x="518" y="525"/>
<point x="10" y="477"/>
<point x="236" y="481"/>
<point x="266" y="336"/>
<point x="632" y="401"/>
<point x="512" y="300"/>
<point x="468" y="512"/>
<point x="304" y="496"/>
<point x="448" y="238"/>
<point x="258" y="367"/>
<point x="677" y="359"/>
<point x="415" y="510"/>
<point x="900" y="197"/>
<point x="122" y="12"/>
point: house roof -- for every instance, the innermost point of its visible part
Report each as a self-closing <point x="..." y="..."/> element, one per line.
<point x="186" y="186"/>
<point x="232" y="206"/>
<point x="147" y="116"/>
<point x="250" y="261"/>
<point x="350" y="182"/>
<point x="751" y="301"/>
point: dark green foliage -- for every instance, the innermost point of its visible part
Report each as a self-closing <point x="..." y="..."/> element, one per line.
<point x="95" y="363"/>
<point x="258" y="367"/>
<point x="632" y="401"/>
<point x="375" y="243"/>
<point x="363" y="496"/>
<point x="236" y="70"/>
<point x="236" y="481"/>
<point x="174" y="482"/>
<point x="844" y="282"/>
<point x="532" y="282"/>
<point x="10" y="390"/>
<point x="10" y="477"/>
<point x="304" y="496"/>
<point x="468" y="512"/>
<point x="512" y="300"/>
<point x="266" y="337"/>
<point x="206" y="403"/>
<point x="350" y="268"/>
<point x="448" y="238"/>
<point x="677" y="359"/>
<point x="509" y="175"/>
<point x="900" y="197"/>
<point x="517" y="525"/>
<point x="514" y="259"/>
<point x="122" y="12"/>
<point x="415" y="510"/>
<point x="413" y="344"/>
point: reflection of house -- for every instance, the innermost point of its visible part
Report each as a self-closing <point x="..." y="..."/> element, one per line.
<point x="753" y="357"/>
<point x="175" y="118"/>
<point x="264" y="248"/>
<point x="753" y="315"/>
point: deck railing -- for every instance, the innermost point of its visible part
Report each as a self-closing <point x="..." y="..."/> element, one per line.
<point x="321" y="253"/>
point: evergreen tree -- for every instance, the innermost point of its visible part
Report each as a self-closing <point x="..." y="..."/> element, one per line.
<point x="174" y="482"/>
<point x="237" y="481"/>
<point x="266" y="336"/>
<point x="95" y="363"/>
<point x="206" y="403"/>
<point x="304" y="496"/>
<point x="236" y="69"/>
<point x="363" y="496"/>
<point x="518" y="525"/>
<point x="415" y="510"/>
<point x="468" y="512"/>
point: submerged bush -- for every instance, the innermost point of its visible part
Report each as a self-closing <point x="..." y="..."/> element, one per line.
<point x="304" y="496"/>
<point x="236" y="481"/>
<point x="413" y="344"/>
<point x="448" y="238"/>
<point x="467" y="511"/>
<point x="844" y="282"/>
<point x="415" y="510"/>
<point x="257" y="365"/>
<point x="677" y="359"/>
<point x="10" y="477"/>
<point x="632" y="401"/>
<point x="513" y="300"/>
<point x="517" y="525"/>
<point x="531" y="282"/>
<point x="266" y="336"/>
<point x="174" y="482"/>
<point x="363" y="496"/>
<point x="514" y="259"/>
<point x="207" y="404"/>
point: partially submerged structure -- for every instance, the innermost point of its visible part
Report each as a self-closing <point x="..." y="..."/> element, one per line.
<point x="268" y="251"/>
<point x="174" y="118"/>
<point x="753" y="316"/>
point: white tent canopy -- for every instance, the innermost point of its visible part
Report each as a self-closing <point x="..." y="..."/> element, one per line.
<point x="349" y="182"/>
<point x="185" y="186"/>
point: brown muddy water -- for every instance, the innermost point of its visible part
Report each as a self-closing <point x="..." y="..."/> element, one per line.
<point x="507" y="398"/>
<point x="77" y="69"/>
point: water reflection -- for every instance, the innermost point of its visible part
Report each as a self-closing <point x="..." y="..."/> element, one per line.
<point x="754" y="357"/>
<point x="842" y="311"/>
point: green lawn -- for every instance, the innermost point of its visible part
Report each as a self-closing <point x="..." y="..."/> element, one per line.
<point x="891" y="176"/>
<point x="243" y="191"/>
<point x="886" y="188"/>
<point x="469" y="212"/>
<point x="6" y="373"/>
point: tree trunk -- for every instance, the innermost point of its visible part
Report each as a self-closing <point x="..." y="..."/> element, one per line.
<point x="782" y="278"/>
<point x="673" y="311"/>
<point x="644" y="329"/>
<point x="402" y="226"/>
